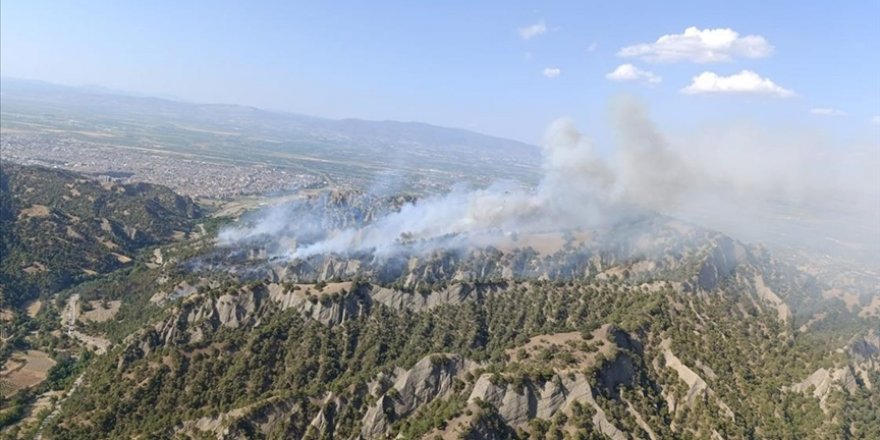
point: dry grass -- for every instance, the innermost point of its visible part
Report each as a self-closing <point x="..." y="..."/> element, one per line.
<point x="35" y="267"/>
<point x="34" y="211"/>
<point x="33" y="308"/>
<point x="26" y="369"/>
<point x="99" y="313"/>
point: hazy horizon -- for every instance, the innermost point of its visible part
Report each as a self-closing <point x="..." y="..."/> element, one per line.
<point x="756" y="182"/>
<point x="97" y="88"/>
<point x="505" y="71"/>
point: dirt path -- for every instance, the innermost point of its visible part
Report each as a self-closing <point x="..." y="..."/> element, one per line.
<point x="69" y="317"/>
<point x="56" y="410"/>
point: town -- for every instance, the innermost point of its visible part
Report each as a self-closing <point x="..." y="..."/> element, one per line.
<point x="195" y="177"/>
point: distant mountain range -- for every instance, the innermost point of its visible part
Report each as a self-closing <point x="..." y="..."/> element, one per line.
<point x="263" y="129"/>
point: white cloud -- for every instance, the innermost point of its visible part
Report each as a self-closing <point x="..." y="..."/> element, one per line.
<point x="700" y="46"/>
<point x="876" y="120"/>
<point x="827" y="111"/>
<point x="552" y="72"/>
<point x="592" y="47"/>
<point x="743" y="82"/>
<point x="532" y="31"/>
<point x="628" y="72"/>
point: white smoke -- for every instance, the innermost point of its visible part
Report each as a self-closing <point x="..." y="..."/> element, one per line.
<point x="575" y="192"/>
<point x="745" y="182"/>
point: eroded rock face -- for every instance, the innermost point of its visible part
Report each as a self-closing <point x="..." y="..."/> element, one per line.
<point x="336" y="312"/>
<point x="725" y="256"/>
<point x="823" y="381"/>
<point x="770" y="297"/>
<point x="247" y="306"/>
<point x="459" y="278"/>
<point x="518" y="404"/>
<point x="405" y="391"/>
<point x="512" y="404"/>
<point x="697" y="386"/>
<point x="324" y="423"/>
<point x="515" y="405"/>
<point x="396" y="299"/>
<point x="864" y="357"/>
<point x="265" y="418"/>
<point x="866" y="349"/>
<point x="375" y="422"/>
<point x="430" y="378"/>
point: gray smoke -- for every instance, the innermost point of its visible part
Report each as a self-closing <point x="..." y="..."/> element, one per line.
<point x="756" y="185"/>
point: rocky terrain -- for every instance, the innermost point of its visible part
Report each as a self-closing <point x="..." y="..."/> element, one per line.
<point x="651" y="328"/>
<point x="624" y="373"/>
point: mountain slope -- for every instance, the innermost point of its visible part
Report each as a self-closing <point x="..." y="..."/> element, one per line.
<point x="650" y="328"/>
<point x="57" y="227"/>
<point x="682" y="339"/>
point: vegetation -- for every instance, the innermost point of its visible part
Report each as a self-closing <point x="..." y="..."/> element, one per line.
<point x="256" y="357"/>
<point x="59" y="228"/>
<point x="237" y="367"/>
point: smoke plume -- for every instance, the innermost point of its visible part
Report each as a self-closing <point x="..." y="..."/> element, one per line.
<point x="744" y="181"/>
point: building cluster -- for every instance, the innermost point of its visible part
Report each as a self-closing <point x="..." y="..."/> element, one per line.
<point x="185" y="174"/>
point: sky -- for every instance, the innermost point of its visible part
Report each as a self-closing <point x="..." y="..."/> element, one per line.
<point x="502" y="68"/>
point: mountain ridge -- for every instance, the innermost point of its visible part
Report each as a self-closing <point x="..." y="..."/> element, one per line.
<point x="651" y="329"/>
<point x="18" y="88"/>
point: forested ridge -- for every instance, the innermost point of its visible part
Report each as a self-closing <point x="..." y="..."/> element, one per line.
<point x="746" y="357"/>
<point x="58" y="228"/>
<point x="690" y="336"/>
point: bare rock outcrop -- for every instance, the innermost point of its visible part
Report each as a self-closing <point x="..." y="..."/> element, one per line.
<point x="823" y="381"/>
<point x="429" y="379"/>
<point x="697" y="386"/>
<point x="517" y="404"/>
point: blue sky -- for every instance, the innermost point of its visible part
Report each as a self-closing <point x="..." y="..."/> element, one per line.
<point x="467" y="64"/>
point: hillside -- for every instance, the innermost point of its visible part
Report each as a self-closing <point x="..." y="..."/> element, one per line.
<point x="439" y="221"/>
<point x="601" y="355"/>
<point x="581" y="341"/>
<point x="650" y="328"/>
<point x="58" y="228"/>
